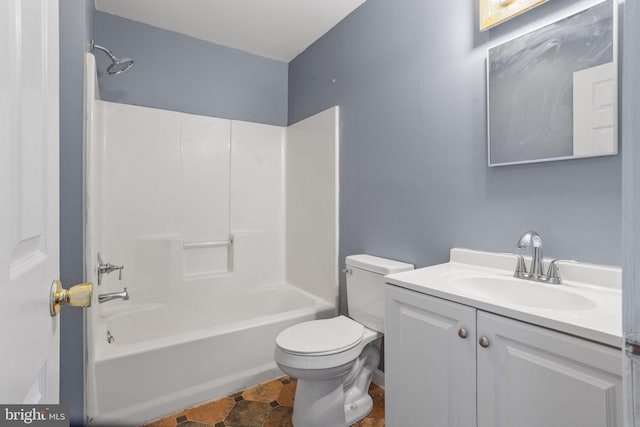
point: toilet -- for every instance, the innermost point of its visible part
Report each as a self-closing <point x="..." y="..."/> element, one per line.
<point x="334" y="359"/>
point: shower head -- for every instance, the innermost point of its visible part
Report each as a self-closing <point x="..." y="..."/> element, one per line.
<point x="118" y="65"/>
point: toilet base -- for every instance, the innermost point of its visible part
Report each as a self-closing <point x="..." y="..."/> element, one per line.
<point x="319" y="403"/>
<point x="358" y="409"/>
<point x="358" y="404"/>
<point x="340" y="400"/>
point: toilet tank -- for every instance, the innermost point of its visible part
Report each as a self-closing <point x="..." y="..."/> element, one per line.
<point x="365" y="288"/>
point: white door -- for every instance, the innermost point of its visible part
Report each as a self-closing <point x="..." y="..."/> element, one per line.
<point x="594" y="113"/>
<point x="29" y="336"/>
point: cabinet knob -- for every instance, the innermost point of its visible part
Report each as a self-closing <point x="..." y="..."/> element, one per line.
<point x="484" y="342"/>
<point x="462" y="333"/>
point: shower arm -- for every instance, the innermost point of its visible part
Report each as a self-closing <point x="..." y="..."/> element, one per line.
<point x="104" y="49"/>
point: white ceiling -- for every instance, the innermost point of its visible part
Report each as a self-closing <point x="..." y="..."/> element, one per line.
<point x="278" y="29"/>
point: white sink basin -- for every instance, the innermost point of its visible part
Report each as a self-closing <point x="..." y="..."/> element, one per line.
<point x="508" y="290"/>
<point x="588" y="304"/>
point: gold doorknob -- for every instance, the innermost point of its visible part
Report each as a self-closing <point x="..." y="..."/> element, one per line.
<point x="77" y="296"/>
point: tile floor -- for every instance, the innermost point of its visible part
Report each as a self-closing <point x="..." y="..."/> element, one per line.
<point x="265" y="405"/>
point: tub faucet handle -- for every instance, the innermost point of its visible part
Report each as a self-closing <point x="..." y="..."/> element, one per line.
<point x="106" y="268"/>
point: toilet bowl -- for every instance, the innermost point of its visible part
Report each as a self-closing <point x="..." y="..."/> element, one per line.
<point x="328" y="357"/>
<point x="334" y="359"/>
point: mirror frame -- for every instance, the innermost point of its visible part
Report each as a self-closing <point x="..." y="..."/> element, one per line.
<point x="615" y="37"/>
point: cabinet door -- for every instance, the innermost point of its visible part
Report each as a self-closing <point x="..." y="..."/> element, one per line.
<point x="529" y="376"/>
<point x="430" y="374"/>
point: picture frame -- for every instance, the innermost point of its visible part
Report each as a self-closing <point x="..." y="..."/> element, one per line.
<point x="494" y="12"/>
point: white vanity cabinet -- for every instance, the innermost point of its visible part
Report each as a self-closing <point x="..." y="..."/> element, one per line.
<point x="452" y="365"/>
<point x="530" y="376"/>
<point x="430" y="361"/>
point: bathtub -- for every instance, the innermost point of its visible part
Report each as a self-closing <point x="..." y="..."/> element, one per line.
<point x="167" y="357"/>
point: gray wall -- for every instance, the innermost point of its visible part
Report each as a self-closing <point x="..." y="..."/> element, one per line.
<point x="176" y="72"/>
<point x="410" y="82"/>
<point x="76" y="27"/>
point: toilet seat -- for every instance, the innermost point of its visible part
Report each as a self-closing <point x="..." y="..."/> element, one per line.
<point x="321" y="337"/>
<point x="342" y="341"/>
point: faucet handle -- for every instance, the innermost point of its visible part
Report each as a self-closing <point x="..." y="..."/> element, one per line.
<point x="521" y="267"/>
<point x="107" y="268"/>
<point x="553" y="273"/>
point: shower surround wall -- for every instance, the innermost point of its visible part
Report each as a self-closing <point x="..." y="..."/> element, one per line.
<point x="165" y="177"/>
<point x="195" y="209"/>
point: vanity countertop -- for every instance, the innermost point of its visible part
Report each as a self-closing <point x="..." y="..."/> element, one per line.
<point x="592" y="293"/>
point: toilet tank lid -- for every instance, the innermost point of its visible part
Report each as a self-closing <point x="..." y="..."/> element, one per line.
<point x="377" y="264"/>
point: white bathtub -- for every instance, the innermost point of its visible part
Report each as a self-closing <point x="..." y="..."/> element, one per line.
<point x="201" y="231"/>
<point x="168" y="357"/>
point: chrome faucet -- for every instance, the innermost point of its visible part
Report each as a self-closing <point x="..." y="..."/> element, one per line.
<point x="532" y="239"/>
<point x="124" y="295"/>
<point x="536" y="271"/>
<point x="107" y="268"/>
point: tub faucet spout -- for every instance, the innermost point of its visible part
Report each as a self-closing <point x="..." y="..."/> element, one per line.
<point x="124" y="295"/>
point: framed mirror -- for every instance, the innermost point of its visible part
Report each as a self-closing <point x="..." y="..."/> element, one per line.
<point x="552" y="93"/>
